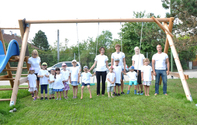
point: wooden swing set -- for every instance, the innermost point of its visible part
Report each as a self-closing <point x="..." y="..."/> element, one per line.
<point x="24" y="26"/>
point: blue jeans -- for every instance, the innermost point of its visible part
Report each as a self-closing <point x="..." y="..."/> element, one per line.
<point x="163" y="74"/>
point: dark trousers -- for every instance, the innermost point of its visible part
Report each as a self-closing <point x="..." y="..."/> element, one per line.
<point x="98" y="76"/>
<point x="44" y="87"/>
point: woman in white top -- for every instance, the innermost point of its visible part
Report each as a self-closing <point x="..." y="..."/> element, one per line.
<point x="35" y="62"/>
<point x="102" y="65"/>
<point x="137" y="62"/>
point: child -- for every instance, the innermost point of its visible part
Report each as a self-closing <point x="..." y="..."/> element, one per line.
<point x="147" y="76"/>
<point x="32" y="83"/>
<point x="86" y="80"/>
<point x="118" y="75"/>
<point x="74" y="78"/>
<point x="65" y="75"/>
<point x="51" y="83"/>
<point x="132" y="79"/>
<point x="58" y="84"/>
<point x="111" y="78"/>
<point x="43" y="74"/>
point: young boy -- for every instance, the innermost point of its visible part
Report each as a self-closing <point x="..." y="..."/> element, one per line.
<point x="51" y="81"/>
<point x="111" y="78"/>
<point x="118" y="74"/>
<point x="132" y="79"/>
<point x="86" y="80"/>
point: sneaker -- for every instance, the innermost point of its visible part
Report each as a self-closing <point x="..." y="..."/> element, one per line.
<point x="138" y="93"/>
<point x="118" y="94"/>
<point x="122" y="93"/>
<point x="35" y="99"/>
<point x="60" y="99"/>
<point x="32" y="95"/>
<point x="57" y="99"/>
<point x="141" y="93"/>
<point x="49" y="98"/>
<point x="46" y="98"/>
<point x="114" y="93"/>
<point x="135" y="92"/>
<point x="128" y="91"/>
<point x="41" y="98"/>
<point x="53" y="98"/>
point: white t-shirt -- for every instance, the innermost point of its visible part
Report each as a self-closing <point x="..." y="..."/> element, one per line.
<point x="147" y="73"/>
<point x="32" y="80"/>
<point x="132" y="76"/>
<point x="118" y="71"/>
<point x="160" y="61"/>
<point x="35" y="63"/>
<point x="101" y="62"/>
<point x="111" y="77"/>
<point x="119" y="55"/>
<point x="138" y="61"/>
<point x="58" y="84"/>
<point x="44" y="80"/>
<point x="74" y="71"/>
<point x="65" y="74"/>
<point x="86" y="77"/>
<point x="51" y="78"/>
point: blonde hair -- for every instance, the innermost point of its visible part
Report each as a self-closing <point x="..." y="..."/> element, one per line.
<point x="34" y="51"/>
<point x="146" y="60"/>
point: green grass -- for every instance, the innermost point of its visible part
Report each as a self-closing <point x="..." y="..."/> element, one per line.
<point x="126" y="109"/>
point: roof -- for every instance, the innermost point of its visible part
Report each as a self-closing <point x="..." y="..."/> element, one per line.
<point x="7" y="38"/>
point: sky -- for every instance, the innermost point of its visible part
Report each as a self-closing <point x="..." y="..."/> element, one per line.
<point x="73" y="9"/>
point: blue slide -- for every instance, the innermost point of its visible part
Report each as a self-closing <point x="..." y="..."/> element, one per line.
<point x="13" y="50"/>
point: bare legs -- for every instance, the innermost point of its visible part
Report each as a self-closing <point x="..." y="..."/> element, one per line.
<point x="82" y="88"/>
<point x="146" y="90"/>
<point x="75" y="90"/>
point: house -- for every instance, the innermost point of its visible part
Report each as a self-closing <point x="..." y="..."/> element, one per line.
<point x="7" y="38"/>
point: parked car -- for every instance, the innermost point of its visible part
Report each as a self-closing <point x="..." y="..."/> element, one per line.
<point x="59" y="65"/>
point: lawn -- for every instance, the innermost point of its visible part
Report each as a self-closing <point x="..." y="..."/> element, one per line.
<point x="126" y="109"/>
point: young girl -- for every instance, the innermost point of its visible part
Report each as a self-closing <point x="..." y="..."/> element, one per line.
<point x="58" y="84"/>
<point x="132" y="79"/>
<point x="118" y="73"/>
<point x="65" y="74"/>
<point x="74" y="78"/>
<point x="51" y="83"/>
<point x="86" y="80"/>
<point x="111" y="78"/>
<point x="147" y="76"/>
<point x="43" y="74"/>
<point x="32" y="85"/>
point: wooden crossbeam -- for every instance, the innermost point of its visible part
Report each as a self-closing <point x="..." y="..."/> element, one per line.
<point x="175" y="74"/>
<point x="13" y="69"/>
<point x="161" y="26"/>
<point x="4" y="100"/>
<point x="8" y="28"/>
<point x="6" y="89"/>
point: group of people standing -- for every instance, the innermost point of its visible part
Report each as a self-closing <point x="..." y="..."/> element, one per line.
<point x="138" y="74"/>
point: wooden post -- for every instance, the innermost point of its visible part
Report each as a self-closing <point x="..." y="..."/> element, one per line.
<point x="8" y="64"/>
<point x="20" y="65"/>
<point x="179" y="67"/>
<point x="167" y="43"/>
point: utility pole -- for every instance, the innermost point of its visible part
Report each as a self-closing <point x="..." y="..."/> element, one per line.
<point x="58" y="46"/>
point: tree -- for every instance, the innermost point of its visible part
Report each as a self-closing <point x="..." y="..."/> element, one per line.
<point x="131" y="33"/>
<point x="40" y="41"/>
<point x="185" y="14"/>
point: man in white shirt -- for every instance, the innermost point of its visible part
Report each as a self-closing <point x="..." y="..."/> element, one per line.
<point x="159" y="62"/>
<point x="122" y="62"/>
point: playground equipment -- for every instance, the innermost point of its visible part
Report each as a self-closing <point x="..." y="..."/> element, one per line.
<point x="25" y="28"/>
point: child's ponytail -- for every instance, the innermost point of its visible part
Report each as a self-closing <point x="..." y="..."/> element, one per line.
<point x="57" y="69"/>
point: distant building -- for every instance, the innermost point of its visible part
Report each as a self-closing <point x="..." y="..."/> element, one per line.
<point x="8" y="37"/>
